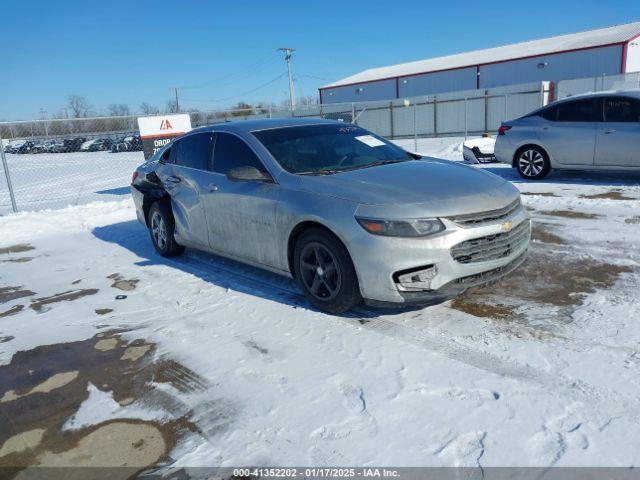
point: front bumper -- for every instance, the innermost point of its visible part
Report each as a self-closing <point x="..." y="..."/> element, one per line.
<point x="377" y="259"/>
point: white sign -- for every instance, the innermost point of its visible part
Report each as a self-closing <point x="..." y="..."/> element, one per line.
<point x="370" y="140"/>
<point x="157" y="131"/>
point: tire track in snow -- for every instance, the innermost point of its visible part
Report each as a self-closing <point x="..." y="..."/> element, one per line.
<point x="362" y="318"/>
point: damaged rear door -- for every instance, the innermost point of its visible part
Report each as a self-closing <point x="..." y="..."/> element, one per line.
<point x="184" y="175"/>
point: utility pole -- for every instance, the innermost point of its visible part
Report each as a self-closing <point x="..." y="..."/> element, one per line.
<point x="287" y="58"/>
<point x="175" y="89"/>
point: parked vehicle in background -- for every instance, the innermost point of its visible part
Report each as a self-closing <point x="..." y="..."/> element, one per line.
<point x="346" y="213"/>
<point x="26" y="147"/>
<point x="14" y="146"/>
<point x="47" y="146"/>
<point x="596" y="131"/>
<point x="101" y="145"/>
<point x="73" y="144"/>
<point x="129" y="143"/>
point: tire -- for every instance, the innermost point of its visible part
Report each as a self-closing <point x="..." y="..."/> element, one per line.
<point x="162" y="228"/>
<point x="532" y="163"/>
<point x="325" y="272"/>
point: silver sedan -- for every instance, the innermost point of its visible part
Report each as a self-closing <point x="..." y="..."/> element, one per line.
<point x="599" y="131"/>
<point x="346" y="213"/>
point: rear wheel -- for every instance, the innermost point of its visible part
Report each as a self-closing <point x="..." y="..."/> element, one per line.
<point x="325" y="272"/>
<point x="162" y="228"/>
<point x="532" y="163"/>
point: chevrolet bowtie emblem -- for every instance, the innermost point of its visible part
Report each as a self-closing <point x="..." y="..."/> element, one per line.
<point x="506" y="226"/>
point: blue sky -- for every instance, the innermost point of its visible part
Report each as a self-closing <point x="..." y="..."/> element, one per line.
<point x="220" y="52"/>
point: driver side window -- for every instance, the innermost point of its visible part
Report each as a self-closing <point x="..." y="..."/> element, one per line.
<point x="232" y="152"/>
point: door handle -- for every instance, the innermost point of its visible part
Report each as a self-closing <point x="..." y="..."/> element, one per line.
<point x="608" y="131"/>
<point x="213" y="188"/>
<point x="545" y="128"/>
<point x="172" y="179"/>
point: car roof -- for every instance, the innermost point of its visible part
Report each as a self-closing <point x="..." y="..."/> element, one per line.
<point x="246" y="126"/>
<point x="627" y="93"/>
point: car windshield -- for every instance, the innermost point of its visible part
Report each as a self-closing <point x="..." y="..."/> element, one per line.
<point x="327" y="149"/>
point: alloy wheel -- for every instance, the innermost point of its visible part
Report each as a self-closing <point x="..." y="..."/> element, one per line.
<point x="320" y="271"/>
<point x="159" y="230"/>
<point x="531" y="163"/>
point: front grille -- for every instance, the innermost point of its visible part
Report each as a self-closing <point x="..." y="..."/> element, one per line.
<point x="487" y="216"/>
<point x="490" y="275"/>
<point x="492" y="247"/>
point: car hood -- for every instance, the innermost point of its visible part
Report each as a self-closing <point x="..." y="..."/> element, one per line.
<point x="442" y="186"/>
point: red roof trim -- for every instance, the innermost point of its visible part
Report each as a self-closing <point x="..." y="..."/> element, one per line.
<point x="480" y="64"/>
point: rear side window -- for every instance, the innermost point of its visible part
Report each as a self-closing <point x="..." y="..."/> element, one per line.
<point x="232" y="152"/>
<point x="585" y="110"/>
<point x="621" y="109"/>
<point x="194" y="151"/>
<point x="550" y="114"/>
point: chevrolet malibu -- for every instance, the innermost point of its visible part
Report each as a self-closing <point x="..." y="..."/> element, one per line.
<point x="347" y="214"/>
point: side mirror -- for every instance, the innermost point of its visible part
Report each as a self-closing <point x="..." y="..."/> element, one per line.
<point x="247" y="174"/>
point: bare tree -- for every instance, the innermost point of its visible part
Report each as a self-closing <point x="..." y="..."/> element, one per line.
<point x="242" y="109"/>
<point x="119" y="110"/>
<point x="308" y="101"/>
<point x="172" y="106"/>
<point x="148" y="109"/>
<point x="78" y="106"/>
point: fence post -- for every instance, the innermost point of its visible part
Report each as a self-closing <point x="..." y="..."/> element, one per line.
<point x="435" y="116"/>
<point x="8" y="177"/>
<point x="486" y="111"/>
<point x="353" y="112"/>
<point x="506" y="107"/>
<point x="465" y="119"/>
<point x="391" y="119"/>
<point x="415" y="125"/>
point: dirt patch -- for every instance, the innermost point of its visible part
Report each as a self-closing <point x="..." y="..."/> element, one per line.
<point x="539" y="194"/>
<point x="542" y="233"/>
<point x="557" y="279"/>
<point x="182" y="378"/>
<point x="12" y="311"/>
<point x="39" y="304"/>
<point x="103" y="311"/>
<point x="253" y="345"/>
<point x="6" y="338"/>
<point x="126" y="285"/>
<point x="570" y="214"/>
<point x="613" y="195"/>
<point x="11" y="293"/>
<point x="19" y="248"/>
<point x="135" y="352"/>
<point x="48" y="384"/>
<point x="466" y="303"/>
<point x="632" y="220"/>
<point x="18" y="260"/>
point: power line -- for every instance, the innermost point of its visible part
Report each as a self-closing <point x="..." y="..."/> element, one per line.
<point x="213" y="100"/>
<point x="252" y="68"/>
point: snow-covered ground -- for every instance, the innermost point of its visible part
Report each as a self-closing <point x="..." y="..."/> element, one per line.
<point x="56" y="180"/>
<point x="540" y="369"/>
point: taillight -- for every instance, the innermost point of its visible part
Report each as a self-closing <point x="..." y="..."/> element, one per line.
<point x="134" y="176"/>
<point x="503" y="128"/>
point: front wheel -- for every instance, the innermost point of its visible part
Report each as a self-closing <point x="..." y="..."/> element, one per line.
<point x="325" y="272"/>
<point x="533" y="163"/>
<point x="162" y="228"/>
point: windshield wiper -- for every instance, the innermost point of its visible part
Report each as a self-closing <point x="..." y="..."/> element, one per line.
<point x="323" y="171"/>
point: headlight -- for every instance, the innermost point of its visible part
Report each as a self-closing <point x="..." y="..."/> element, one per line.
<point x="417" y="227"/>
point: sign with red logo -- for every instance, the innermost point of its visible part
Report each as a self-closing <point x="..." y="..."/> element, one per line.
<point x="157" y="131"/>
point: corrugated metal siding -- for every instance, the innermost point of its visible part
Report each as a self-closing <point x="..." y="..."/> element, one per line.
<point x="563" y="66"/>
<point x="438" y="82"/>
<point x="372" y="91"/>
<point x="581" y="40"/>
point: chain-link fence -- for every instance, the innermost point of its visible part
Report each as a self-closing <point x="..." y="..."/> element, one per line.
<point x="53" y="163"/>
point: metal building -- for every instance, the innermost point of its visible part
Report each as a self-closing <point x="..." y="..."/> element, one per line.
<point x="606" y="51"/>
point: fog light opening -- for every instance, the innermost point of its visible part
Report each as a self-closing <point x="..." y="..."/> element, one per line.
<point x="415" y="279"/>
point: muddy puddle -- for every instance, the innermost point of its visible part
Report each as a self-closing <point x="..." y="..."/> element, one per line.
<point x="539" y="194"/>
<point x="42" y="304"/>
<point x="542" y="232"/>
<point x="547" y="278"/>
<point x="570" y="214"/>
<point x="19" y="248"/>
<point x="613" y="195"/>
<point x="12" y="293"/>
<point x="43" y="388"/>
<point x="126" y="285"/>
